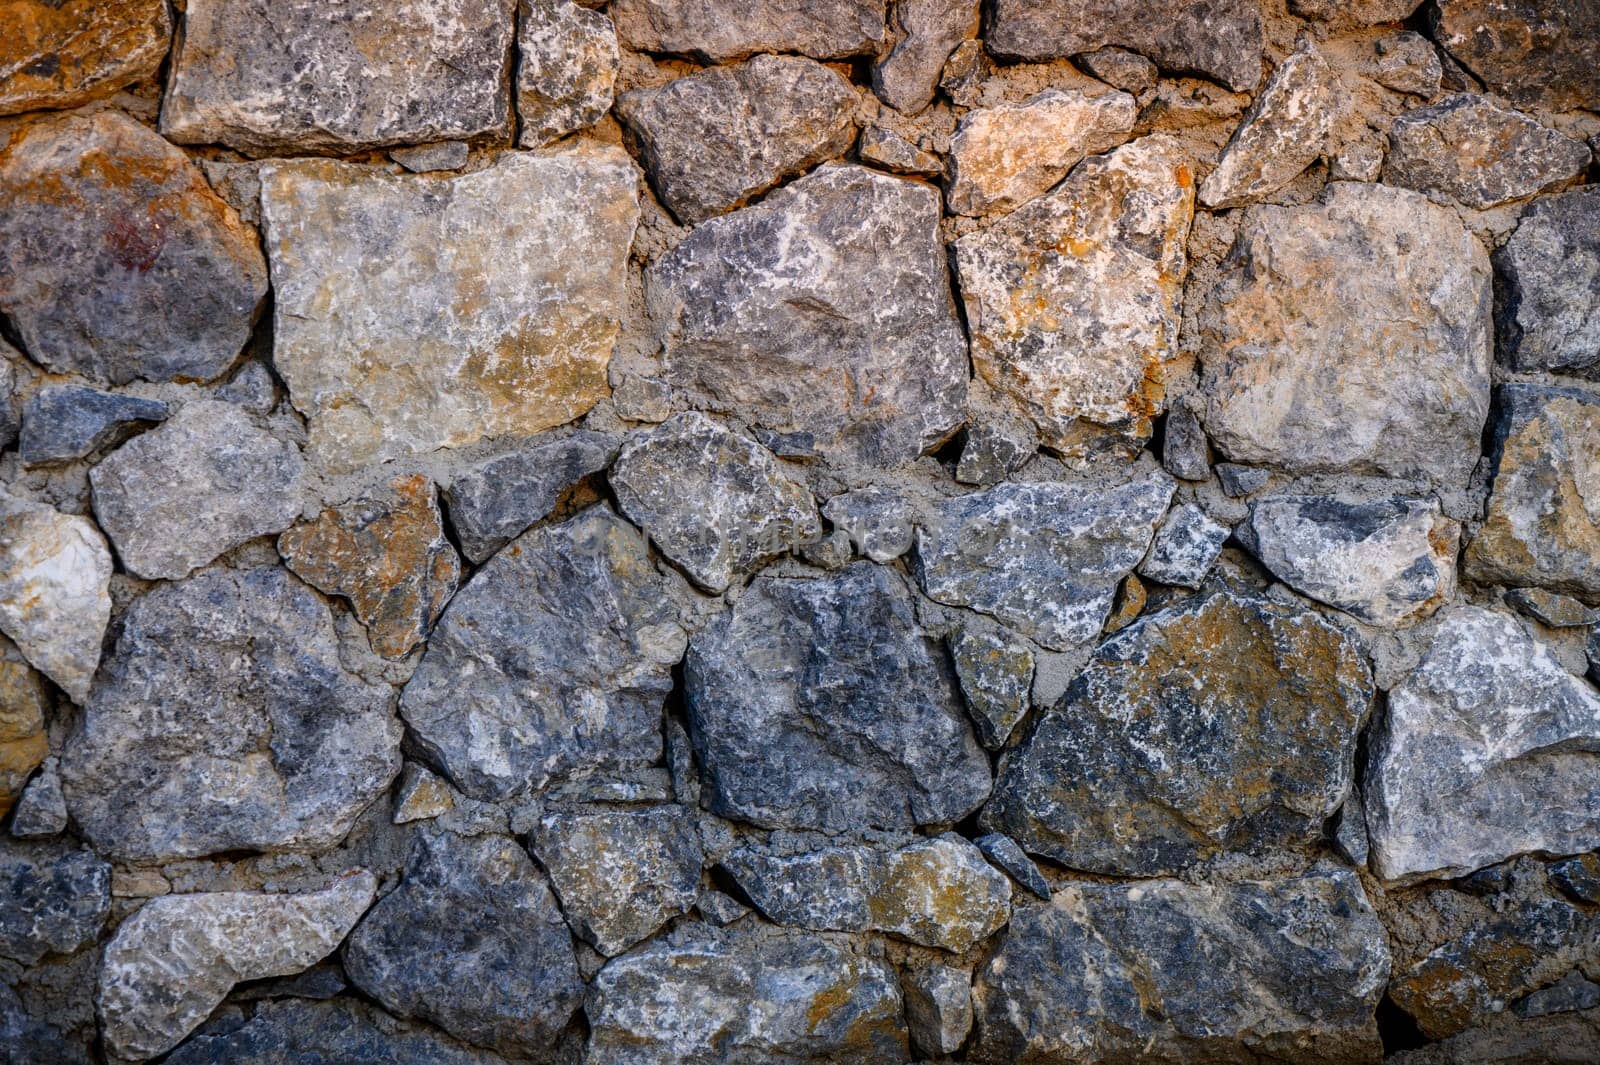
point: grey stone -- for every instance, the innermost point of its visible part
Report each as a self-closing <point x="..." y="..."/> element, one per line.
<point x="620" y="874"/>
<point x="1220" y="40"/>
<point x="719" y="30"/>
<point x="55" y="600"/>
<point x="117" y="260"/>
<point x="1043" y="558"/>
<point x="421" y="796"/>
<point x="1120" y="69"/>
<point x="996" y="674"/>
<point x="425" y="158"/>
<point x="286" y="76"/>
<point x="719" y="909"/>
<point x="568" y="616"/>
<point x="1578" y="878"/>
<point x="65" y="422"/>
<point x="1350" y="834"/>
<point x="1407" y="62"/>
<point x="1533" y="53"/>
<point x="251" y="388"/>
<point x="26" y="1040"/>
<point x="925" y="33"/>
<point x="935" y="893"/>
<point x="1074" y="300"/>
<point x="938" y="1008"/>
<point x="567" y="62"/>
<point x="493" y="500"/>
<point x="415" y="313"/>
<point x="224" y="720"/>
<point x="1351" y="335"/>
<point x="57" y="899"/>
<point x="471" y="905"/>
<point x="1471" y="150"/>
<point x="1003" y="852"/>
<point x="680" y="764"/>
<point x="1177" y="741"/>
<point x="716" y="503"/>
<point x="1239" y="482"/>
<point x="991" y="453"/>
<point x="1547" y="291"/>
<point x="819" y="703"/>
<point x="1279" y="970"/>
<point x="176" y="959"/>
<point x="716" y="138"/>
<point x="1571" y="992"/>
<point x="1185" y="548"/>
<point x="965" y="73"/>
<point x="206" y="480"/>
<point x="41" y="813"/>
<point x="10" y="413"/>
<point x="1548" y="608"/>
<point x="1386" y="560"/>
<point x="687" y="1001"/>
<point x="1284" y="132"/>
<point x="888" y="150"/>
<point x="800" y="281"/>
<point x="1183" y="447"/>
<point x="1486" y="751"/>
<point x="833" y="552"/>
<point x="877" y="520"/>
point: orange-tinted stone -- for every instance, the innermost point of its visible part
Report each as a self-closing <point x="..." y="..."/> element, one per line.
<point x="61" y="53"/>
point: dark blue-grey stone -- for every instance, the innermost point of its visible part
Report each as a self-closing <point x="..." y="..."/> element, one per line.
<point x="54" y="898"/>
<point x="65" y="422"/>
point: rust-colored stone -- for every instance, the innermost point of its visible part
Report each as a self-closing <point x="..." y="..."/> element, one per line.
<point x="62" y="53"/>
<point x="23" y="744"/>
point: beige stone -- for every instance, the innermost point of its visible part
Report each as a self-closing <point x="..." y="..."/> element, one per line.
<point x="55" y="574"/>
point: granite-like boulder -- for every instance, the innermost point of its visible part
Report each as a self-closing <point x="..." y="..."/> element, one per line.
<point x="285" y="76"/>
<point x="414" y="313"/>
<point x="204" y="481"/>
<point x="1185" y="548"/>
<point x="24" y="744"/>
<point x="820" y="703"/>
<point x="995" y="669"/>
<point x="66" y="422"/>
<point x="63" y="53"/>
<point x="1473" y="151"/>
<point x="620" y="873"/>
<point x="1219" y="39"/>
<point x="55" y="600"/>
<point x="57" y="897"/>
<point x="224" y="720"/>
<point x="1074" y="300"/>
<point x="1223" y="724"/>
<point x="553" y="660"/>
<point x="472" y="941"/>
<point x="176" y="959"/>
<point x="1489" y="749"/>
<point x="720" y="30"/>
<point x="1387" y="560"/>
<point x="1535" y="54"/>
<point x="1284" y="971"/>
<point x="567" y="62"/>
<point x="1351" y="334"/>
<point x="925" y="32"/>
<point x="824" y="311"/>
<point x="691" y="1000"/>
<point x="1044" y="558"/>
<point x="117" y="261"/>
<point x="1284" y="132"/>
<point x="1547" y="286"/>
<point x="716" y="138"/>
<point x="715" y="502"/>
<point x="493" y="500"/>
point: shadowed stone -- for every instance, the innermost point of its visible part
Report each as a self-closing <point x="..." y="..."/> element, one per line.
<point x="55" y="601"/>
<point x="719" y="30"/>
<point x="66" y="422"/>
<point x="1533" y="53"/>
<point x="24" y="698"/>
<point x="62" y="53"/>
<point x="938" y="1008"/>
<point x="57" y="898"/>
<point x="1547" y="292"/>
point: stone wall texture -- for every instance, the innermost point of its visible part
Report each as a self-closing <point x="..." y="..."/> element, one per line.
<point x="767" y="532"/>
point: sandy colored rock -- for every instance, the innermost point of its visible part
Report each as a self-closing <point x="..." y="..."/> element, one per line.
<point x="1284" y="132"/>
<point x="720" y="30"/>
<point x="62" y="53"/>
<point x="1355" y="12"/>
<point x="1470" y="150"/>
<point x="55" y="601"/>
<point x="415" y="313"/>
<point x="1407" y="62"/>
<point x="889" y="151"/>
<point x="1533" y="53"/>
<point x="566" y="66"/>
<point x="925" y="33"/>
<point x="1547" y="286"/>
<point x="23" y="742"/>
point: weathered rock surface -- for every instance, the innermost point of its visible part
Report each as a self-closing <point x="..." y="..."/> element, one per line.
<point x="825" y="310"/>
<point x="206" y="480"/>
<point x="62" y="53"/>
<point x="1284" y="131"/>
<point x="116" y="259"/>
<point x="938" y="1008"/>
<point x="55" y="602"/>
<point x="1185" y="548"/>
<point x="173" y="962"/>
<point x="1532" y="53"/>
<point x="1221" y="39"/>
<point x="719" y="30"/>
<point x="494" y="500"/>
<point x="24" y="699"/>
<point x="991" y="453"/>
<point x="1351" y="334"/>
<point x="936" y="893"/>
<point x="687" y="1001"/>
<point x="471" y="904"/>
<point x="1408" y="62"/>
<point x="1548" y="608"/>
<point x="298" y="76"/>
<point x="1542" y="525"/>
<point x="1043" y="558"/>
<point x="715" y="138"/>
<point x="716" y="503"/>
<point x="417" y="313"/>
<point x="821" y="704"/>
<point x="1355" y="12"/>
<point x="439" y="155"/>
<point x="65" y="422"/>
<point x="1547" y="291"/>
<point x="1284" y="970"/>
<point x="1468" y="149"/>
<point x="421" y="796"/>
<point x="388" y="555"/>
<point x="26" y="1040"/>
<point x="1387" y="561"/>
<point x="889" y="151"/>
<point x="42" y="811"/>
<point x="1074" y="300"/>
<point x="1001" y="157"/>
<point x="1183" y="447"/>
<point x="877" y="520"/>
<point x="552" y="661"/>
<point x="925" y="33"/>
<point x="57" y="898"/>
<point x="1222" y="724"/>
<point x="1486" y="751"/>
<point x="566" y="65"/>
<point x="223" y="720"/>
<point x="996" y="674"/>
<point x="620" y="874"/>
<point x="1003" y="853"/>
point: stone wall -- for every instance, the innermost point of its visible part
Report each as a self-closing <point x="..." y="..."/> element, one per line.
<point x="780" y="531"/>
